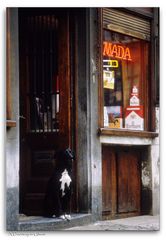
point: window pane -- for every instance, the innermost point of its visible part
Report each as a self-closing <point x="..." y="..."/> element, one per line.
<point x="125" y="73"/>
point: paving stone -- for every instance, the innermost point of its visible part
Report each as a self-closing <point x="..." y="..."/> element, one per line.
<point x="141" y="223"/>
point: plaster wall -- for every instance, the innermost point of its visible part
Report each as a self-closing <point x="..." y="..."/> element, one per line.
<point x="155" y="165"/>
<point x="95" y="146"/>
<point x="12" y="134"/>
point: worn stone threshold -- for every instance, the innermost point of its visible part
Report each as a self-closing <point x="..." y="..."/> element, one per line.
<point x="39" y="223"/>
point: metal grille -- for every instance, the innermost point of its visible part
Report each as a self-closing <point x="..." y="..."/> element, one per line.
<point x="42" y="72"/>
<point x="125" y="23"/>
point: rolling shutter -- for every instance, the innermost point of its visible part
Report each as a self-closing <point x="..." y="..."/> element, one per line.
<point x="126" y="23"/>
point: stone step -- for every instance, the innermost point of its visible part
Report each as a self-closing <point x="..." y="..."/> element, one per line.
<point x="37" y="223"/>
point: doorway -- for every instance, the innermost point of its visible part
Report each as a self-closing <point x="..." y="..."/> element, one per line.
<point x="121" y="181"/>
<point x="45" y="100"/>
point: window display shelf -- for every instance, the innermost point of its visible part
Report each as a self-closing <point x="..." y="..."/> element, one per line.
<point x="124" y="132"/>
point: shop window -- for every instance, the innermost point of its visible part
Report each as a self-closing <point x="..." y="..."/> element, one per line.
<point x="125" y="81"/>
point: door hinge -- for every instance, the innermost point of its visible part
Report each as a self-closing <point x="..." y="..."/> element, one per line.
<point x="22" y="117"/>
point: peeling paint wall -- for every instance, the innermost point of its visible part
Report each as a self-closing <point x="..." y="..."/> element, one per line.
<point x="88" y="143"/>
<point x="155" y="165"/>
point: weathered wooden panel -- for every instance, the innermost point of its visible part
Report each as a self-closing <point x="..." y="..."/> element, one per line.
<point x="128" y="182"/>
<point x="107" y="162"/>
<point x="121" y="186"/>
<point x="134" y="184"/>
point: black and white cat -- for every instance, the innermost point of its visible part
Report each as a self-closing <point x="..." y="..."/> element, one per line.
<point x="59" y="190"/>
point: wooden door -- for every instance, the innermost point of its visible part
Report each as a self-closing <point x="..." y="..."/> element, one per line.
<point x="121" y="181"/>
<point x="109" y="181"/>
<point x="44" y="100"/>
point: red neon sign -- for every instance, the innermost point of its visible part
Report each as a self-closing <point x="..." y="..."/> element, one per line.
<point x="116" y="51"/>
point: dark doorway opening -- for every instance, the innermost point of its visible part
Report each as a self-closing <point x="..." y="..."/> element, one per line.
<point x="45" y="99"/>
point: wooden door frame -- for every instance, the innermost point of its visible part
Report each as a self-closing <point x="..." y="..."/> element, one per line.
<point x="64" y="73"/>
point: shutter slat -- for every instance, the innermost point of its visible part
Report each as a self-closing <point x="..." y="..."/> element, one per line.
<point x="127" y="23"/>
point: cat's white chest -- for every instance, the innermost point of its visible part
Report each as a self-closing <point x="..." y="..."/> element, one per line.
<point x="65" y="179"/>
